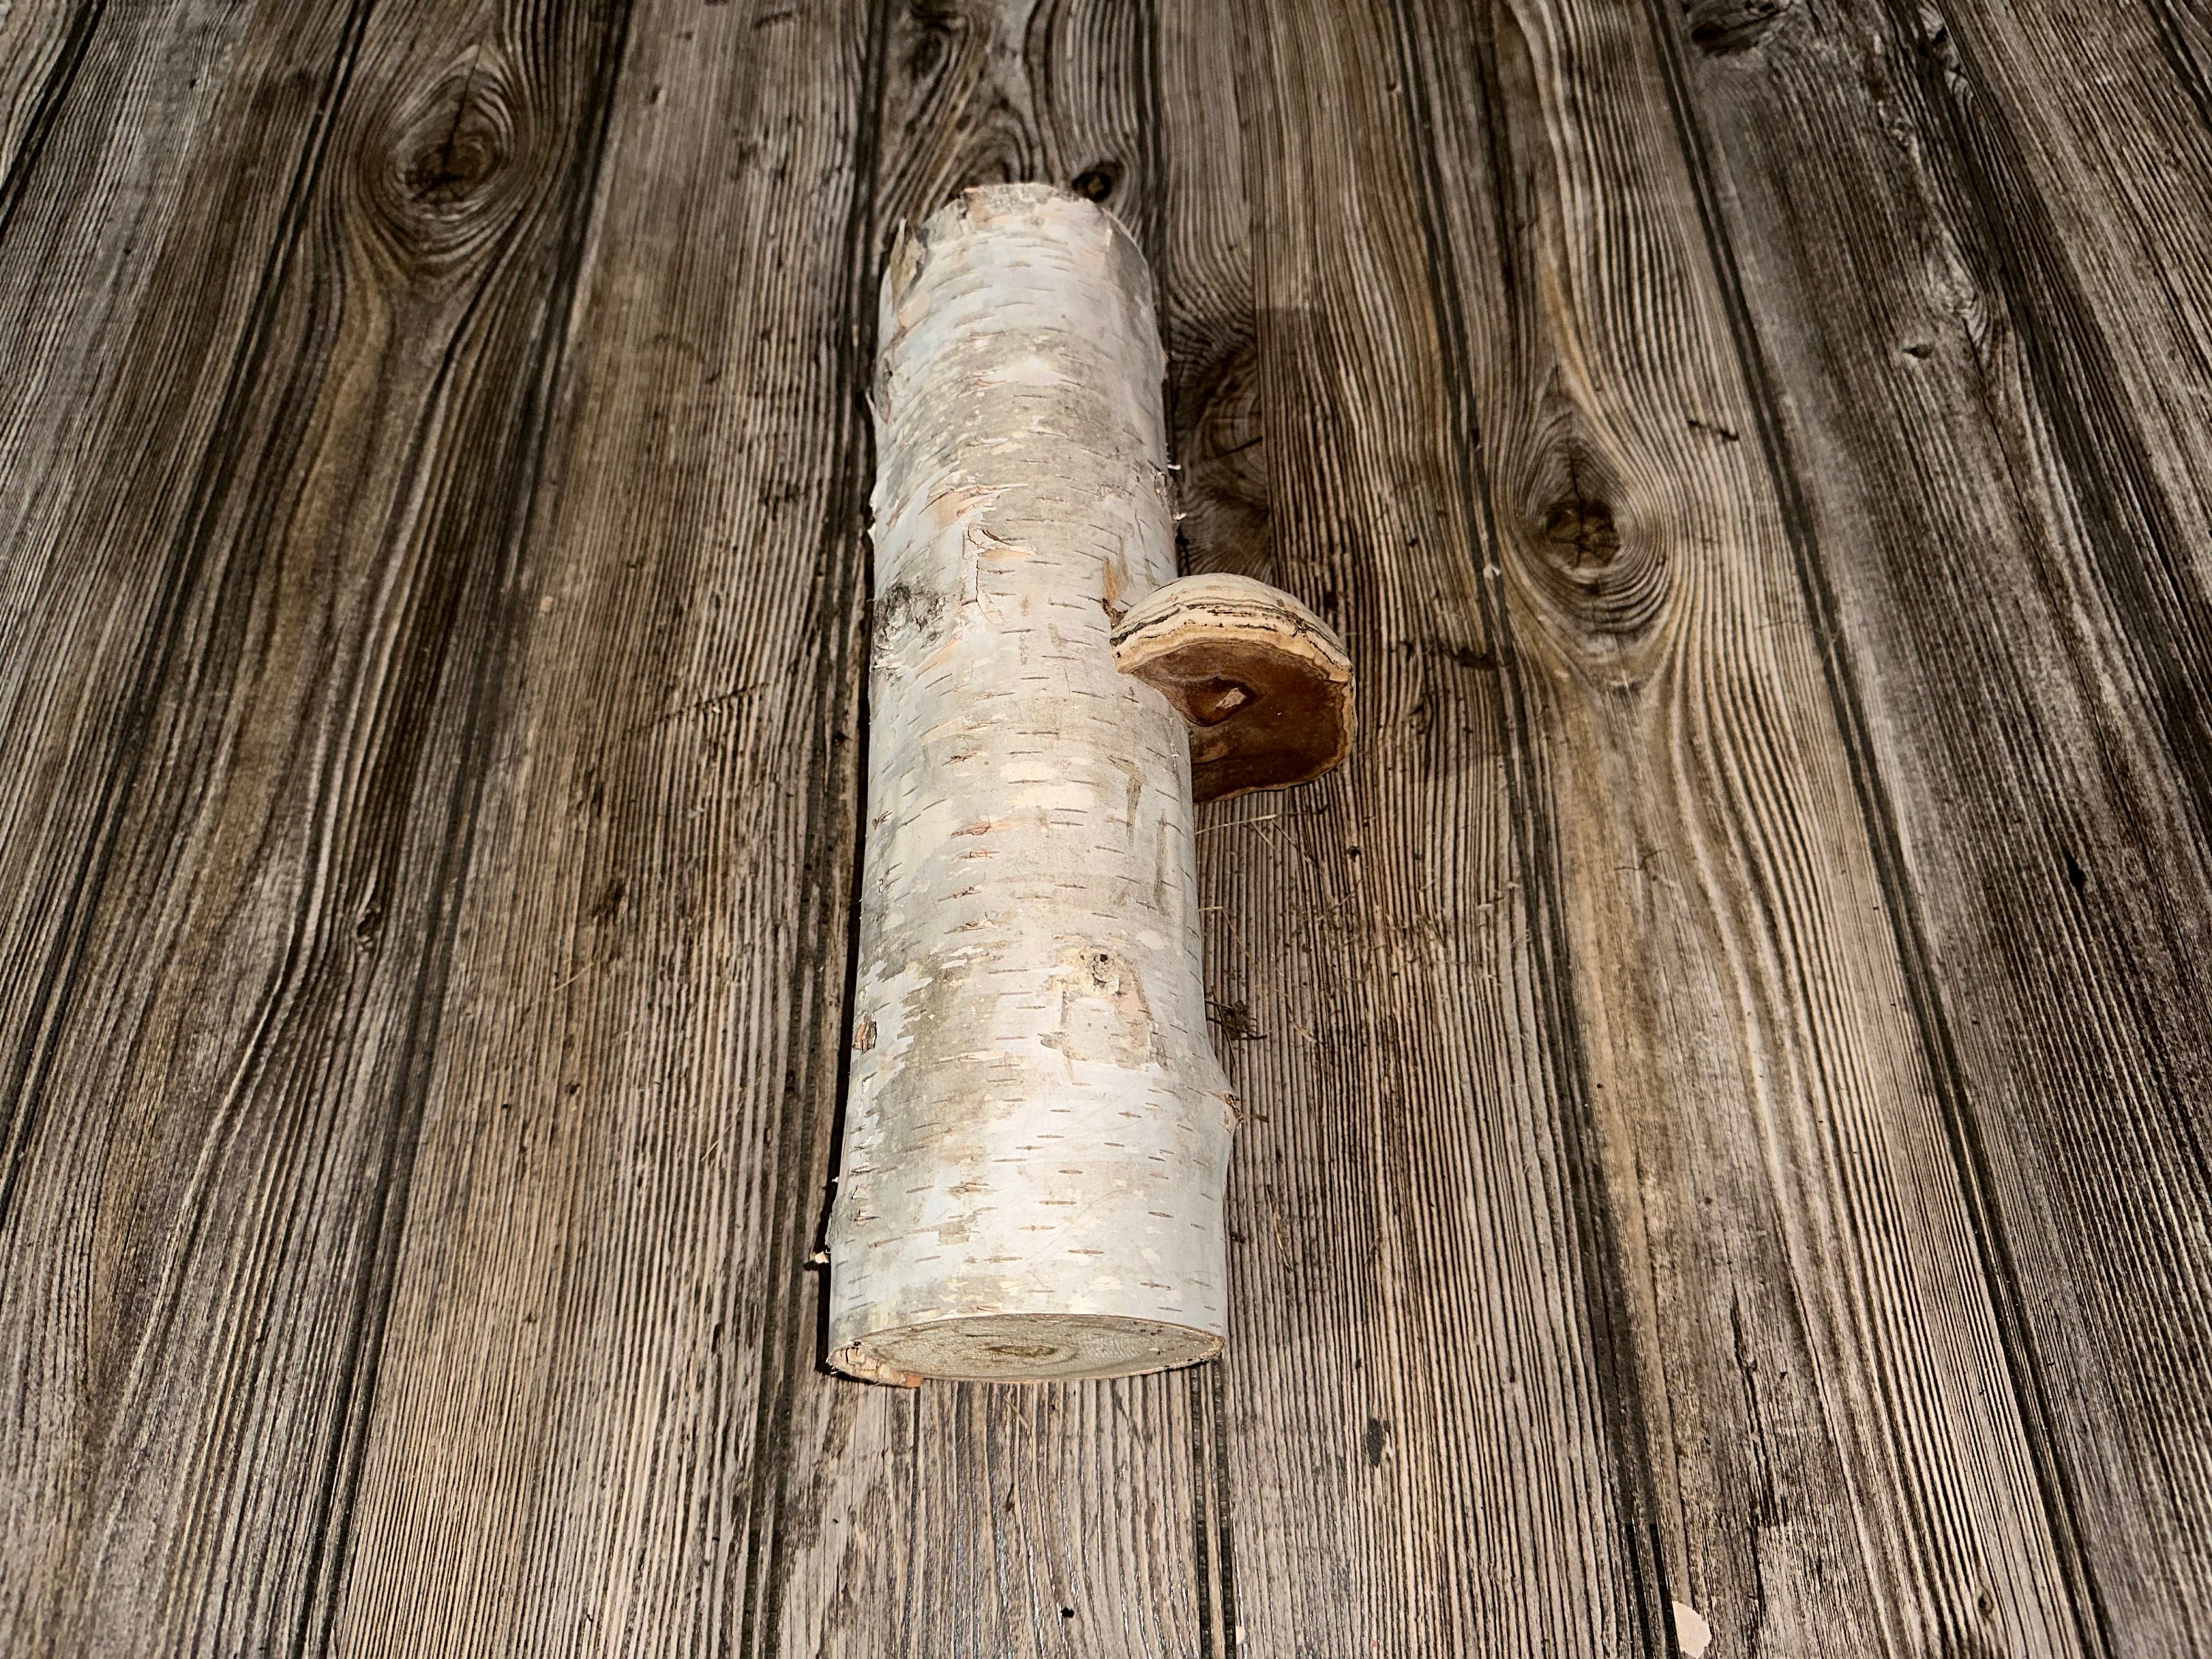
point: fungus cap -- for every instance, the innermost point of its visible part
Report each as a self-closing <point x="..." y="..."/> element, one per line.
<point x="1264" y="685"/>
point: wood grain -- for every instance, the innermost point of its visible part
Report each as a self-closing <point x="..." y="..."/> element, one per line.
<point x="1993" y="492"/>
<point x="2085" y="180"/>
<point x="1419" y="1435"/>
<point x="41" y="49"/>
<point x="597" y="1305"/>
<point x="1840" y="1461"/>
<point x="130" y="319"/>
<point x="215" y="1116"/>
<point x="1208" y="312"/>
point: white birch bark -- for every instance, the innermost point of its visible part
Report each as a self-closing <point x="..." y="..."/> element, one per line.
<point x="1037" y="1128"/>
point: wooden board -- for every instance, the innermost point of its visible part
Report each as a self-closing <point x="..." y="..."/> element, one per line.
<point x="268" y="416"/>
<point x="1421" y="1408"/>
<point x="1721" y="1056"/>
<point x="1018" y="1521"/>
<point x="597" y="1307"/>
<point x="131" y="319"/>
<point x="1817" y="1336"/>
<point x="1991" y="490"/>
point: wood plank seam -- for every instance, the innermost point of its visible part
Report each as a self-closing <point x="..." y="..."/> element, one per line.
<point x="1878" y="813"/>
<point x="1212" y="1545"/>
<point x="796" y="1344"/>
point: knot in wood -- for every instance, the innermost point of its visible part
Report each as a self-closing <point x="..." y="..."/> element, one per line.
<point x="1582" y="533"/>
<point x="450" y="170"/>
<point x="1096" y="184"/>
<point x="1605" y="588"/>
<point x="904" y="613"/>
<point x="1723" y="27"/>
<point x="446" y="179"/>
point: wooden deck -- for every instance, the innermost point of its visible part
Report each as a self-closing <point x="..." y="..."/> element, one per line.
<point x="1731" y="1057"/>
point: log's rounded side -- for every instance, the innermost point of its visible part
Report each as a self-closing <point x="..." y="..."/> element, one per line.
<point x="1037" y="1129"/>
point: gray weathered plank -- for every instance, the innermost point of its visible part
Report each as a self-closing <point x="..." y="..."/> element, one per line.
<point x="1840" y="1463"/>
<point x="582" y="1402"/>
<point x="139" y="244"/>
<point x="1067" y="1518"/>
<point x="335" y="422"/>
<point x="1421" y="1452"/>
<point x="1961" y="257"/>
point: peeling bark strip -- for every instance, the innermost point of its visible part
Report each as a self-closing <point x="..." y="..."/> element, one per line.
<point x="1037" y="1129"/>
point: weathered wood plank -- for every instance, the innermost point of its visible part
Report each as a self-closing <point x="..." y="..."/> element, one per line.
<point x="600" y="1313"/>
<point x="138" y="248"/>
<point x="1060" y="1518"/>
<point x="978" y="92"/>
<point x="2001" y="498"/>
<point x="1209" y="322"/>
<point x="41" y="49"/>
<point x="1840" y="1460"/>
<point x="2088" y="180"/>
<point x="1054" y="1519"/>
<point x="217" y="1102"/>
<point x="136" y="287"/>
<point x="1418" y="1435"/>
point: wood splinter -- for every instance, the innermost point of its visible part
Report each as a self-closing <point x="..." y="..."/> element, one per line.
<point x="1036" y="1125"/>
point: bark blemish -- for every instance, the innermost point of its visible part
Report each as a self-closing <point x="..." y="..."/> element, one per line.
<point x="1104" y="1015"/>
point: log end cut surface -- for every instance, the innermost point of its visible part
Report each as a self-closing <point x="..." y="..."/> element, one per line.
<point x="1034" y="1348"/>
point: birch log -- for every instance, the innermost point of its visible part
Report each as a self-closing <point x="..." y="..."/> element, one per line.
<point x="1037" y="1128"/>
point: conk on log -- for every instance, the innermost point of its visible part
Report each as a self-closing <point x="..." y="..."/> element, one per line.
<point x="1037" y="1128"/>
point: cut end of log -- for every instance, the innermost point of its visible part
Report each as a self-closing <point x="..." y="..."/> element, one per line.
<point x="1264" y="684"/>
<point x="1037" y="1347"/>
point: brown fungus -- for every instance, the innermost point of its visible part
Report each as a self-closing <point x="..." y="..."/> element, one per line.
<point x="1263" y="684"/>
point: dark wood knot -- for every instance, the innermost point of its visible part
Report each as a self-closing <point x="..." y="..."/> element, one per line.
<point x="1608" y="587"/>
<point x="1581" y="533"/>
<point x="449" y="174"/>
<point x="451" y="168"/>
<point x="1719" y="28"/>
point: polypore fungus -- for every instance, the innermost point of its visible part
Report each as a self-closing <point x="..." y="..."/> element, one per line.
<point x="1036" y="1127"/>
<point x="1262" y="683"/>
